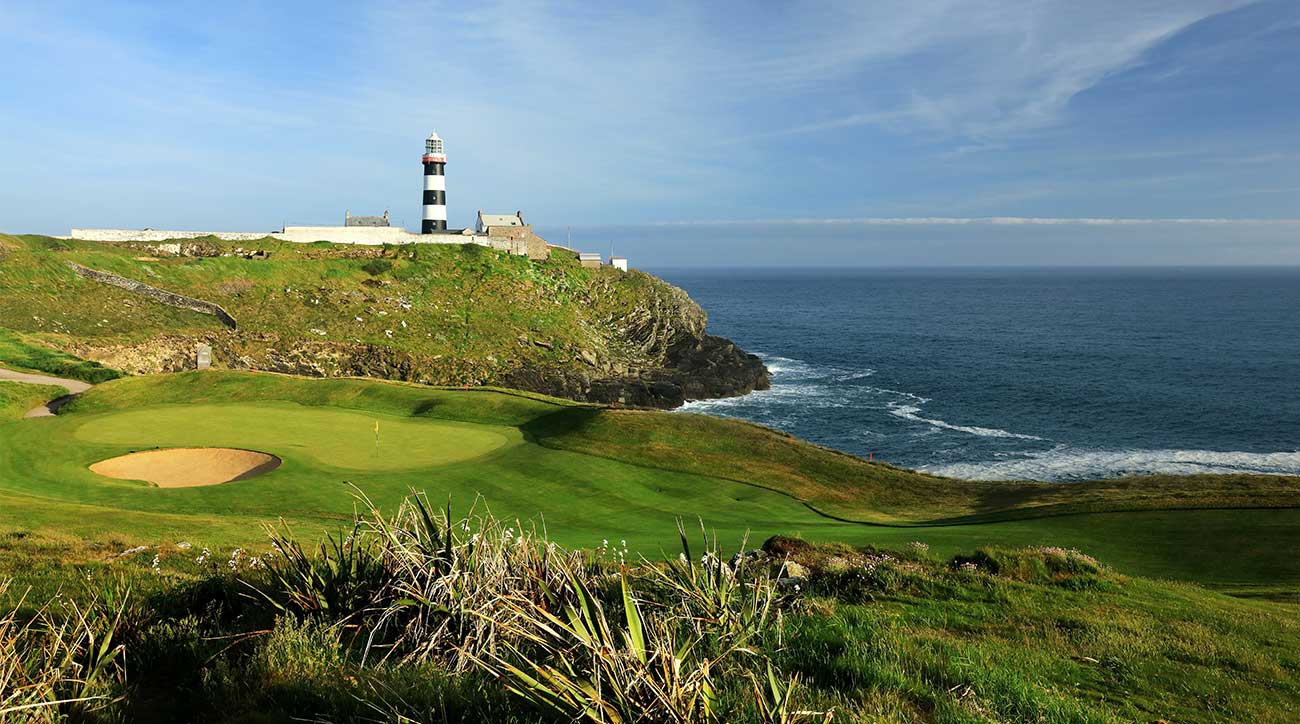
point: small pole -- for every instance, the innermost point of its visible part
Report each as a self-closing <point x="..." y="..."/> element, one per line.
<point x="376" y="438"/>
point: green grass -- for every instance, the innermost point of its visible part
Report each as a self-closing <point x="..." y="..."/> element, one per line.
<point x="592" y="474"/>
<point x="881" y="635"/>
<point x="451" y="314"/>
<point x="315" y="439"/>
<point x="16" y="398"/>
<point x="21" y="353"/>
<point x="912" y="641"/>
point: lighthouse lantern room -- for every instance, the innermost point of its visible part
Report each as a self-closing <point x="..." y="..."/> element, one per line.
<point x="435" y="186"/>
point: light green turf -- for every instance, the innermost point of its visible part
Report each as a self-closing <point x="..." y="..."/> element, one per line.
<point x="319" y="437"/>
<point x="588" y="475"/>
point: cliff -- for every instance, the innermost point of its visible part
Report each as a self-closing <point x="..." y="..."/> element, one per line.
<point x="444" y="315"/>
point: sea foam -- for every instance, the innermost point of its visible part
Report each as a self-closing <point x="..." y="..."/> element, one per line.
<point x="1068" y="463"/>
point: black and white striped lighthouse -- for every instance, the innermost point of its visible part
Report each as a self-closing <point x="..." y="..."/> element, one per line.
<point x="435" y="186"/>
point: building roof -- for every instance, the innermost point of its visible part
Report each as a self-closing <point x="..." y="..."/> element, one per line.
<point x="350" y="220"/>
<point x="589" y="256"/>
<point x="486" y="220"/>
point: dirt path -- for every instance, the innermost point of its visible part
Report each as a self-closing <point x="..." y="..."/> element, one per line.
<point x="74" y="388"/>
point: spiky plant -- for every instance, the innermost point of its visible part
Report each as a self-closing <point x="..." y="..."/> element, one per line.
<point x="451" y="580"/>
<point x="591" y="664"/>
<point x="64" y="658"/>
<point x="735" y="602"/>
<point x="775" y="700"/>
<point x="340" y="582"/>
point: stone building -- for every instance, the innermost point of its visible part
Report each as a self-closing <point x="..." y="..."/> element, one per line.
<point x="350" y="220"/>
<point x="511" y="230"/>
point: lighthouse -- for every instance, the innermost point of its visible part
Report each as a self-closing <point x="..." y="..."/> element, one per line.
<point x="435" y="186"/>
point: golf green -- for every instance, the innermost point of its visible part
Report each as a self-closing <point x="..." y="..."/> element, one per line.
<point x="325" y="436"/>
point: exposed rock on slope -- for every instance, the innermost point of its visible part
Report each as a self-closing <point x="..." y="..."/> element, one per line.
<point x="434" y="314"/>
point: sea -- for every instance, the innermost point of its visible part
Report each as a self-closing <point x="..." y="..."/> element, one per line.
<point x="1043" y="374"/>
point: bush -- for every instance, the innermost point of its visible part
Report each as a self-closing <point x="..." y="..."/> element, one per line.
<point x="1046" y="565"/>
<point x="375" y="267"/>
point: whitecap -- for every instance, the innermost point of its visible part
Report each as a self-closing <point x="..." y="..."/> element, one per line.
<point x="1069" y="463"/>
<point x="908" y="412"/>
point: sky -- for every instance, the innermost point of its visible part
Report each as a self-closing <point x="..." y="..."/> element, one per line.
<point x="881" y="133"/>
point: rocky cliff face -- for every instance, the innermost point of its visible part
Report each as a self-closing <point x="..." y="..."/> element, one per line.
<point x="694" y="369"/>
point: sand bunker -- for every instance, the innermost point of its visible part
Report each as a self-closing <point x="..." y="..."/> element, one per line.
<point x="185" y="467"/>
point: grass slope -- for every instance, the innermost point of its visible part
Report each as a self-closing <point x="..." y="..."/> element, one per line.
<point x="20" y="353"/>
<point x="593" y="474"/>
<point x="16" y="398"/>
<point x="463" y="314"/>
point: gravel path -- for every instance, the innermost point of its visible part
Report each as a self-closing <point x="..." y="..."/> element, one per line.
<point x="74" y="388"/>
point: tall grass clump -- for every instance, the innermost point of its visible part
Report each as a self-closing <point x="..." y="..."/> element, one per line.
<point x="736" y="601"/>
<point x="673" y="654"/>
<point x="64" y="659"/>
<point x="574" y="636"/>
<point x="420" y="585"/>
<point x="455" y="583"/>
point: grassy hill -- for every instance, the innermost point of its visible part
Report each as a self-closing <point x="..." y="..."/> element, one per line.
<point x="435" y="313"/>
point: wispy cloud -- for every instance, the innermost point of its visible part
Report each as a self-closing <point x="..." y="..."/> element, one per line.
<point x="971" y="221"/>
<point x="211" y="115"/>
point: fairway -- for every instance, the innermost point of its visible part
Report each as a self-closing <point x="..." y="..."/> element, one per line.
<point x="323" y="437"/>
<point x="587" y="475"/>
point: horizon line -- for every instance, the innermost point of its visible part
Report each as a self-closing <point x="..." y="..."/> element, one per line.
<point x="950" y="221"/>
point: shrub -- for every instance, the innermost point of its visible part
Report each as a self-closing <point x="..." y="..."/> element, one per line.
<point x="1047" y="565"/>
<point x="452" y="580"/>
<point x="420" y="585"/>
<point x="733" y="602"/>
<point x="864" y="577"/>
<point x="375" y="267"/>
<point x="650" y="659"/>
<point x="343" y="580"/>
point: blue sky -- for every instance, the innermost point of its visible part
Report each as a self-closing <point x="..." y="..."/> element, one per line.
<point x="686" y="133"/>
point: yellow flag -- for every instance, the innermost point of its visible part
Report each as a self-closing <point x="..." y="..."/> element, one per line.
<point x="376" y="427"/>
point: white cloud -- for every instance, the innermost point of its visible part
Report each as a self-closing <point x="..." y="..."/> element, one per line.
<point x="978" y="221"/>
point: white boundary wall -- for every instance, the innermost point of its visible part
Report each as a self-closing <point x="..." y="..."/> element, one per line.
<point x="366" y="235"/>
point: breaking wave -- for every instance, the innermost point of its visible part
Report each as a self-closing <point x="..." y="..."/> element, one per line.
<point x="1066" y="463"/>
<point x="908" y="412"/>
<point x="800" y="389"/>
<point x="839" y="407"/>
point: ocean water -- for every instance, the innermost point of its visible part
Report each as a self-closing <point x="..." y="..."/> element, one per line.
<point x="1045" y="374"/>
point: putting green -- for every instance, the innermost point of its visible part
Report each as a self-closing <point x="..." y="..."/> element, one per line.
<point x="327" y="436"/>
